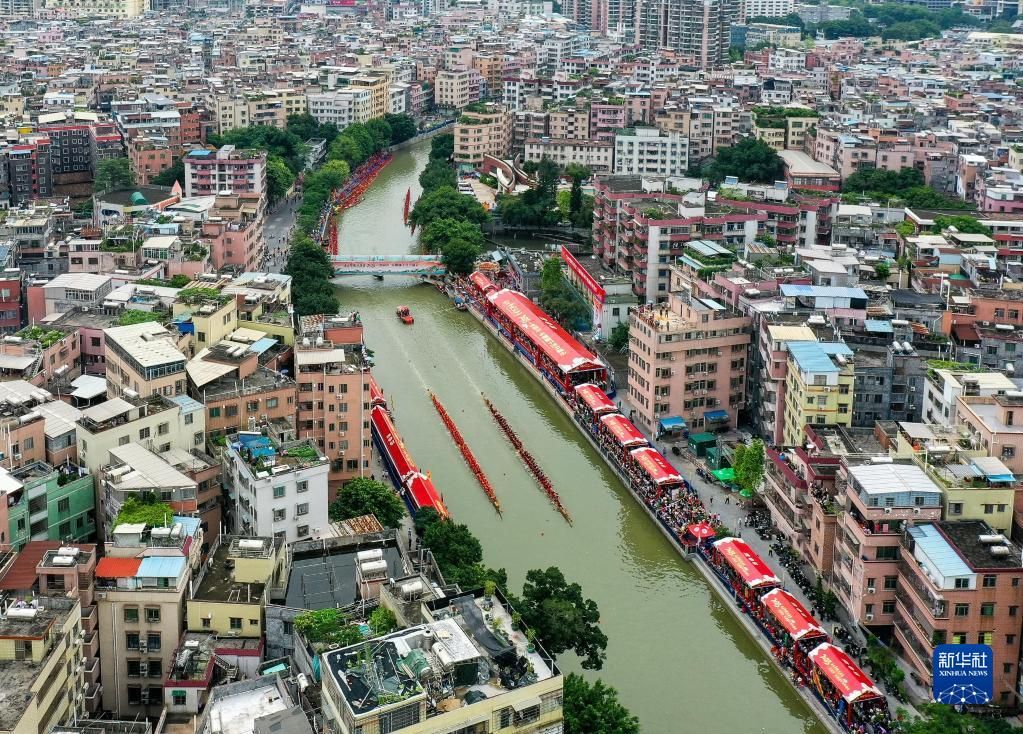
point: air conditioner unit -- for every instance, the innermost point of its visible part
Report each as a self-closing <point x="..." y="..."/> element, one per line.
<point x="101" y="595"/>
<point x="143" y="648"/>
<point x="888" y="510"/>
<point x="869" y="617"/>
<point x="916" y="510"/>
<point x="144" y="697"/>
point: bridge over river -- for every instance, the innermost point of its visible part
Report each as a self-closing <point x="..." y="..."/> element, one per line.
<point x="387" y="264"/>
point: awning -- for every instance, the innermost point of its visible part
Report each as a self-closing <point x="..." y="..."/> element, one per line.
<point x="844" y="674"/>
<point x="482" y="282"/>
<point x="656" y="466"/>
<point x="701" y="530"/>
<point x="595" y="399"/>
<point x="87" y="387"/>
<point x="993" y="469"/>
<point x="111" y="567"/>
<point x="161" y="567"/>
<point x="716" y="415"/>
<point x="745" y="562"/>
<point x="725" y="475"/>
<point x="791" y="614"/>
<point x="14" y="362"/>
<point x="388" y="437"/>
<point x="674" y="423"/>
<point x="425" y="494"/>
<point x="557" y="344"/>
<point x="625" y="433"/>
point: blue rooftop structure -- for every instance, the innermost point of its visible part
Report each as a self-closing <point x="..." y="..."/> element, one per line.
<point x="261" y="345"/>
<point x="189" y="525"/>
<point x="816" y="356"/>
<point x="939" y="553"/>
<point x="878" y="326"/>
<point x="187" y="405"/>
<point x="821" y="291"/>
<point x="156" y="567"/>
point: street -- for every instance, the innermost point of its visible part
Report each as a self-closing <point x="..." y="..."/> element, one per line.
<point x="277" y="234"/>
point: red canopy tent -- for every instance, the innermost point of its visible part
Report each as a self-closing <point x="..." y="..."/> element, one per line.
<point x="656" y="466"/>
<point x="791" y="615"/>
<point x="843" y="673"/>
<point x="424" y="494"/>
<point x="744" y="561"/>
<point x="557" y="344"/>
<point x="402" y="462"/>
<point x="482" y="282"/>
<point x="595" y="399"/>
<point x="625" y="433"/>
<point x="701" y="530"/>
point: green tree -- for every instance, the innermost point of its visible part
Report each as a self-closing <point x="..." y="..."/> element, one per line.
<point x="328" y="626"/>
<point x="305" y="127"/>
<point x="380" y="130"/>
<point x="447" y="203"/>
<point x="382" y="621"/>
<point x="459" y="256"/>
<point x="457" y="551"/>
<point x="403" y="127"/>
<point x="882" y="269"/>
<point x="749" y="160"/>
<point x="965" y="224"/>
<point x="578" y="174"/>
<point x="618" y="341"/>
<point x="738" y="460"/>
<point x="943" y="719"/>
<point x="437" y="174"/>
<point x="442" y="147"/>
<point x="363" y="496"/>
<point x="594" y="708"/>
<point x="441" y="231"/>
<point x="168" y="176"/>
<point x="273" y="140"/>
<point x="114" y="173"/>
<point x="562" y="618"/>
<point x="560" y="299"/>
<point x="279" y="179"/>
<point x="749" y="472"/>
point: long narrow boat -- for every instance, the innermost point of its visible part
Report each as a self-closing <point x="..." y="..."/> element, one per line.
<point x="408" y="204"/>
<point x="463" y="447"/>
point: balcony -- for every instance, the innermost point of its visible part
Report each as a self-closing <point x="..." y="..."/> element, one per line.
<point x="922" y="597"/>
<point x="914" y="651"/>
<point x="93" y="697"/>
<point x="91" y="670"/>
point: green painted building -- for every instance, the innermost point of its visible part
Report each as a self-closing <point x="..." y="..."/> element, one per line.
<point x="53" y="506"/>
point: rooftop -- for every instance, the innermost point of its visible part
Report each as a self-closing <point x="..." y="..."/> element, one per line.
<point x="149" y="343"/>
<point x="318" y="581"/>
<point x="265" y="457"/>
<point x="892" y="478"/>
<point x="820" y="357"/>
<point x="218" y="583"/>
<point x="235" y="708"/>
<point x="965" y="536"/>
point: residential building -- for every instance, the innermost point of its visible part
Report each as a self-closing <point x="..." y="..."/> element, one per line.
<point x="803" y="172"/>
<point x="944" y="386"/>
<point x="995" y="424"/>
<point x="142" y="583"/>
<point x="234" y="231"/>
<point x="54" y="504"/>
<point x="480" y="132"/>
<point x="882" y="500"/>
<point x="452" y="632"/>
<point x="770" y="380"/>
<point x="98" y="8"/>
<point x="67" y="292"/>
<point x="767" y="8"/>
<point x="229" y="169"/>
<point x="818" y="387"/>
<point x="648" y="151"/>
<point x="279" y="489"/>
<point x="341" y="107"/>
<point x="457" y="88"/>
<point x="687" y="358"/>
<point x="149" y="158"/>
<point x="696" y="32"/>
<point x="889" y="384"/>
<point x="142" y="360"/>
<point x="40" y="663"/>
<point x="784" y="128"/>
<point x="595" y="155"/>
<point x="959" y="583"/>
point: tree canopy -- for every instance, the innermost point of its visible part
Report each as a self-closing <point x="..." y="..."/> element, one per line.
<point x="328" y="626"/>
<point x="442" y="147"/>
<point x="905" y="185"/>
<point x="963" y="223"/>
<point x="114" y="173"/>
<point x="593" y="708"/>
<point x="749" y="465"/>
<point x="276" y="142"/>
<point x="561" y="300"/>
<point x="145" y="509"/>
<point x="619" y="338"/>
<point x="536" y="207"/>
<point x="561" y="617"/>
<point x="168" y="176"/>
<point x="446" y="202"/>
<point x="403" y="127"/>
<point x="279" y="179"/>
<point x="437" y="174"/>
<point x="311" y="270"/>
<point x="306" y="127"/>
<point x="363" y="496"/>
<point x="750" y="160"/>
<point x="457" y="551"/>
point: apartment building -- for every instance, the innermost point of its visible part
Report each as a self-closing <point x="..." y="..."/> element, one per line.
<point x="818" y="387"/>
<point x="804" y="173"/>
<point x="767" y="8"/>
<point x="142" y="360"/>
<point x="482" y="131"/>
<point x="784" y="128"/>
<point x="97" y="8"/>
<point x="49" y="504"/>
<point x="160" y="424"/>
<point x="142" y="584"/>
<point x="995" y="424"/>
<point x="229" y="169"/>
<point x="881" y="501"/>
<point x="29" y="169"/>
<point x="960" y="583"/>
<point x="333" y="396"/>
<point x="770" y="380"/>
<point x="233" y="233"/>
<point x="696" y="32"/>
<point x="648" y="151"/>
<point x="531" y="705"/>
<point x="279" y="488"/>
<point x="66" y="292"/>
<point x="341" y="107"/>
<point x="595" y="155"/>
<point x="944" y="386"/>
<point x="40" y="656"/>
<point x="687" y="358"/>
<point x="457" y="88"/>
<point x="149" y="158"/>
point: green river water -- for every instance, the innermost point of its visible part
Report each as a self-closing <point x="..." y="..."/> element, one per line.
<point x="679" y="659"/>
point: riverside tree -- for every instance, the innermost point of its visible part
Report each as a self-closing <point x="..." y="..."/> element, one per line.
<point x="562" y="618"/>
<point x="593" y="708"/>
<point x="363" y="496"/>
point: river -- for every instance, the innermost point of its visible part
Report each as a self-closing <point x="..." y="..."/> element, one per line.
<point x="678" y="658"/>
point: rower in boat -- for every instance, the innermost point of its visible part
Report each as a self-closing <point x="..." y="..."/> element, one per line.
<point x="405" y="314"/>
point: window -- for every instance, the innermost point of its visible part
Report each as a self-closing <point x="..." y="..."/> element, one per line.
<point x="1013" y="610"/>
<point x="962" y="610"/>
<point x="962" y="583"/>
<point x="152" y="614"/>
<point x="280" y="515"/>
<point x="131" y="639"/>
<point x="178" y="698"/>
<point x="1008" y="452"/>
<point x="887" y="553"/>
<point x="188" y="419"/>
<point x="206" y="623"/>
<point x="271" y="403"/>
<point x="163" y="429"/>
<point x="1010" y="639"/>
<point x="302" y="509"/>
<point x="955" y="508"/>
<point x="134" y="695"/>
<point x="890" y="582"/>
<point x="214" y="412"/>
<point x="143" y="434"/>
<point x="154" y="669"/>
<point x="153" y="641"/>
<point x="301" y="486"/>
<point x="64" y="505"/>
<point x="278" y="492"/>
<point x="888" y="607"/>
<point x="134" y="669"/>
<point x="230" y="410"/>
<point x="302" y="531"/>
<point x="236" y="623"/>
<point x="131" y="615"/>
<point x="990" y="581"/>
<point x="987" y="609"/>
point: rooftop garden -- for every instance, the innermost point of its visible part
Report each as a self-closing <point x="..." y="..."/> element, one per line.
<point x="328" y="628"/>
<point x="195" y="252"/>
<point x="476" y="107"/>
<point x="944" y="364"/>
<point x="135" y="316"/>
<point x="144" y="509"/>
<point x="46" y="337"/>
<point x="178" y="281"/>
<point x="196" y="296"/>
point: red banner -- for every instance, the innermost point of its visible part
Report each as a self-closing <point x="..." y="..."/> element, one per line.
<point x="588" y="281"/>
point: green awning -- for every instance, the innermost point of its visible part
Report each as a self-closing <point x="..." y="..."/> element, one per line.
<point x="703" y="438"/>
<point x="725" y="475"/>
<point x="747" y="493"/>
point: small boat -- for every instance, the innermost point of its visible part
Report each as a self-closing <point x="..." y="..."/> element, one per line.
<point x="378" y="276"/>
<point x="408" y="203"/>
<point x="405" y="314"/>
<point x="461" y="305"/>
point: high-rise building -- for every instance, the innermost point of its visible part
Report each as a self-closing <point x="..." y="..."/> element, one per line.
<point x="698" y="30"/>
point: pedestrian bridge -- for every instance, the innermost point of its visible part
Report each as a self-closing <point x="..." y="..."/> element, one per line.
<point x="388" y="265"/>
